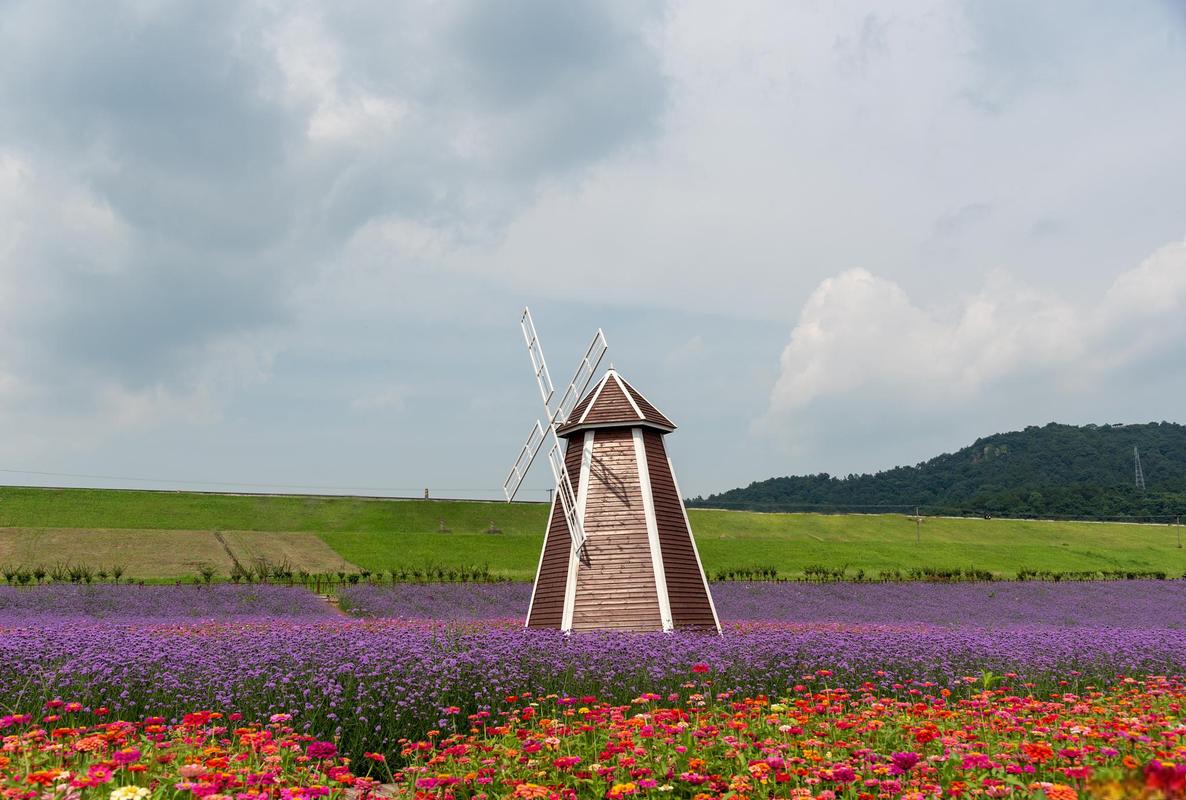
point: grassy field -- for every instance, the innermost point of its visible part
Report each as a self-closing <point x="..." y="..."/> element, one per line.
<point x="105" y="508"/>
<point x="147" y="554"/>
<point x="165" y="535"/>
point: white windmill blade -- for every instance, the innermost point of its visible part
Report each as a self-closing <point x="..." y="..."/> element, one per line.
<point x="564" y="490"/>
<point x="586" y="369"/>
<point x="567" y="497"/>
<point x="535" y="440"/>
<point x="557" y="414"/>
<point x="546" y="390"/>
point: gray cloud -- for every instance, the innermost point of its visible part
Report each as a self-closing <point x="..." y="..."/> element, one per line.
<point x="230" y="149"/>
<point x="290" y="239"/>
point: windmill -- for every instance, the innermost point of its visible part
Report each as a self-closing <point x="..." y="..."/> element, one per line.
<point x="618" y="552"/>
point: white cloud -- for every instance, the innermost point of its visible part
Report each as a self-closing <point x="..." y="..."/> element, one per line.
<point x="862" y="341"/>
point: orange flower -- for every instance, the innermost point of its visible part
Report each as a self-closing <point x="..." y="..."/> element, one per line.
<point x="1037" y="751"/>
<point x="1060" y="791"/>
<point x="44" y="777"/>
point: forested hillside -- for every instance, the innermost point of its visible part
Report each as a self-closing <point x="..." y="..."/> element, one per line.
<point x="1051" y="471"/>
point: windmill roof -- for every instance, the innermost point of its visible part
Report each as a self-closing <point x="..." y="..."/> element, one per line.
<point x="614" y="403"/>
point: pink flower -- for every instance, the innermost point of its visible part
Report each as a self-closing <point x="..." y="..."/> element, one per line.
<point x="129" y="756"/>
<point x="322" y="750"/>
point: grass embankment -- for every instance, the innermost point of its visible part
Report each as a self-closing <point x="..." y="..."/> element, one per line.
<point x="163" y="535"/>
<point x="166" y="535"/>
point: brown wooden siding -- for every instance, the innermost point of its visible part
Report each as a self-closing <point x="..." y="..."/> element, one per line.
<point x="547" y="609"/>
<point x="616" y="579"/>
<point x="649" y="411"/>
<point x="611" y="406"/>
<point x="690" y="606"/>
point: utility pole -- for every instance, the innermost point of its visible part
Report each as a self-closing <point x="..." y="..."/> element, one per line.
<point x="917" y="526"/>
<point x="1178" y="529"/>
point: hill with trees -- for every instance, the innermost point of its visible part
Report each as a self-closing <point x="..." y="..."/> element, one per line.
<point x="1063" y="471"/>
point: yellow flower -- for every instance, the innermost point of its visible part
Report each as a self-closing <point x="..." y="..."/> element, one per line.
<point x="129" y="793"/>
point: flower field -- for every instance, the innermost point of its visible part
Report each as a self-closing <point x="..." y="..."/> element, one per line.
<point x="813" y="698"/>
<point x="1138" y="603"/>
<point x="68" y="753"/>
<point x="38" y="604"/>
<point x="817" y="742"/>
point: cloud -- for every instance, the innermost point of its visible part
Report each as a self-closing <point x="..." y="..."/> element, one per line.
<point x="172" y="176"/>
<point x="862" y="343"/>
<point x="213" y="211"/>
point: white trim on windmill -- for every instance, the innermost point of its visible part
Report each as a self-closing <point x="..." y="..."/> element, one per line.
<point x="574" y="556"/>
<point x="629" y="399"/>
<point x="596" y="393"/>
<point x="592" y="426"/>
<point x="648" y="509"/>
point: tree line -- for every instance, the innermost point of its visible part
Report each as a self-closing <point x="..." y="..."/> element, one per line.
<point x="1060" y="471"/>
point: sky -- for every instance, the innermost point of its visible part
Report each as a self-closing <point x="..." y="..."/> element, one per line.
<point x="285" y="245"/>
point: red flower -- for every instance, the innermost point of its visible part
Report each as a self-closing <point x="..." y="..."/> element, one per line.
<point x="1166" y="776"/>
<point x="701" y="668"/>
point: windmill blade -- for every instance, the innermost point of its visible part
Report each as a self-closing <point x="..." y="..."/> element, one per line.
<point x="530" y="449"/>
<point x="568" y="498"/>
<point x="546" y="389"/>
<point x="586" y="369"/>
<point x="556" y="415"/>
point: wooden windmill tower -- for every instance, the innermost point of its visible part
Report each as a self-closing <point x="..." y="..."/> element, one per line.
<point x="619" y="551"/>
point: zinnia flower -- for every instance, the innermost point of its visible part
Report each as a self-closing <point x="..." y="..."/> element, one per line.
<point x="129" y="793"/>
<point x="322" y="750"/>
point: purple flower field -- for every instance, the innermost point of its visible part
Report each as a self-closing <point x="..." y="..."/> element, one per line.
<point x="261" y="650"/>
<point x="372" y="681"/>
<point x="127" y="603"/>
<point x="1140" y="604"/>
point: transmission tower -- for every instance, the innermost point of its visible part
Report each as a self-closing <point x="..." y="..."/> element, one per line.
<point x="1139" y="473"/>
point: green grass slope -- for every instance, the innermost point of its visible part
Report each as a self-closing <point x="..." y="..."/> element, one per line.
<point x="395" y="534"/>
<point x="873" y="543"/>
<point x="108" y="508"/>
